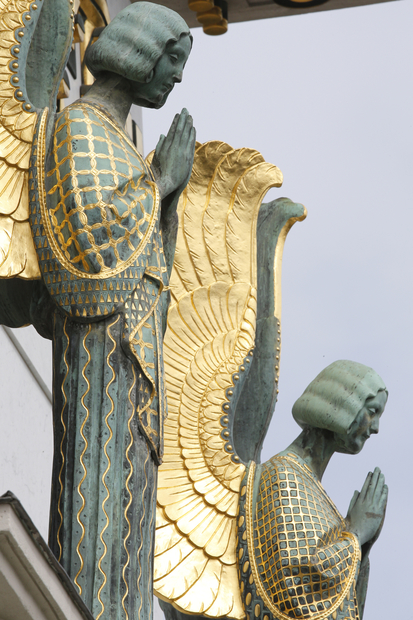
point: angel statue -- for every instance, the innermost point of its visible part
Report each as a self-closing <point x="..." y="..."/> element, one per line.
<point x="87" y="232"/>
<point x="236" y="538"/>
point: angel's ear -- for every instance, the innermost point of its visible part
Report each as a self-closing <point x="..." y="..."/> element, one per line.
<point x="149" y="77"/>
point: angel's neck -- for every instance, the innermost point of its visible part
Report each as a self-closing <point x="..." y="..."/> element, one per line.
<point x="111" y="92"/>
<point x="315" y="446"/>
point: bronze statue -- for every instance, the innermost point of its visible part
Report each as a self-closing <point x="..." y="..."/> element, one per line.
<point x="103" y="226"/>
<point x="235" y="538"/>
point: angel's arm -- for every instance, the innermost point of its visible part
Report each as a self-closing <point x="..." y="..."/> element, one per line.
<point x="257" y="401"/>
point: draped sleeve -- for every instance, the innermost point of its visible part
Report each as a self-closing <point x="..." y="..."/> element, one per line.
<point x="296" y="559"/>
<point x="94" y="212"/>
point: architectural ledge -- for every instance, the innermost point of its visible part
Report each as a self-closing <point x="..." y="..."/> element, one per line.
<point x="33" y="585"/>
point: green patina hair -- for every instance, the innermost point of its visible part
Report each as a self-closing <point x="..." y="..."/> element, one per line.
<point x="335" y="397"/>
<point x="135" y="39"/>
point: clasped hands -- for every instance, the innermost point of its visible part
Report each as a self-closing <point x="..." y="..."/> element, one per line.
<point x="367" y="509"/>
<point x="174" y="155"/>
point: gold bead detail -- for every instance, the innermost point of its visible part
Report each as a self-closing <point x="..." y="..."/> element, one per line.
<point x="19" y="93"/>
<point x="229" y="448"/>
<point x="28" y="17"/>
<point x="242" y="368"/>
<point x="28" y="106"/>
<point x="226" y="434"/>
<point x="15" y="79"/>
<point x="230" y="392"/>
<point x="20" y="33"/>
<point x="225" y="420"/>
<point x="236" y="377"/>
<point x="248" y="361"/>
<point x="257" y="610"/>
<point x="16" y="50"/>
<point x="15" y="65"/>
<point x="246" y="566"/>
<point x="236" y="458"/>
<point x="248" y="598"/>
<point x="34" y="7"/>
<point x="226" y="406"/>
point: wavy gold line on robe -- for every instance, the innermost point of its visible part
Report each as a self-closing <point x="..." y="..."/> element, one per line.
<point x="112" y="407"/>
<point x="59" y="509"/>
<point x="140" y="533"/>
<point x="130" y="494"/>
<point x="82" y="400"/>
<point x="153" y="512"/>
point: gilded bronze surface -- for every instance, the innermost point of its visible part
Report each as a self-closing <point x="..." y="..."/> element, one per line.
<point x="208" y="348"/>
<point x="299" y="560"/>
<point x="17" y="126"/>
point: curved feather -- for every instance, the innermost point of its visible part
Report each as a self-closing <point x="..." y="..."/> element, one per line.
<point x="18" y="117"/>
<point x="17" y="125"/>
<point x="208" y="342"/>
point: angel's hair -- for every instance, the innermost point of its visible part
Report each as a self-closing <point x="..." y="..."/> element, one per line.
<point x="335" y="397"/>
<point x="135" y="39"/>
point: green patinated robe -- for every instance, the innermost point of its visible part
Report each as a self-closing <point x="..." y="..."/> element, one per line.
<point x="296" y="559"/>
<point x="95" y="222"/>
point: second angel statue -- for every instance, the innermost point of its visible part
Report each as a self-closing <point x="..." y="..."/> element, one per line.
<point x="236" y="538"/>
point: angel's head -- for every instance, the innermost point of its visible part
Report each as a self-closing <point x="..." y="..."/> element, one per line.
<point x="347" y="399"/>
<point x="148" y="44"/>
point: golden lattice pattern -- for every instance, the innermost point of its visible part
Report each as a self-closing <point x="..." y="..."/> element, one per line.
<point x="98" y="194"/>
<point x="305" y="559"/>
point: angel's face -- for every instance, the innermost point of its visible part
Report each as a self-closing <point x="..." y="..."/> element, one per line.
<point x="167" y="72"/>
<point x="365" y="424"/>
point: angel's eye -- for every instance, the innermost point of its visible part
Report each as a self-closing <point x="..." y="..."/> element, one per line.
<point x="372" y="410"/>
<point x="173" y="57"/>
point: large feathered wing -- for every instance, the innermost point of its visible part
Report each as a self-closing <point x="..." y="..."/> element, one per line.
<point x="17" y="125"/>
<point x="207" y="350"/>
<point x="34" y="42"/>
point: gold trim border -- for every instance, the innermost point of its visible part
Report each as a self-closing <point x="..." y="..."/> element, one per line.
<point x="250" y="542"/>
<point x="58" y="254"/>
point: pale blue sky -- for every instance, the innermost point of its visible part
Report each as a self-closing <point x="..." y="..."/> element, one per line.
<point x="328" y="98"/>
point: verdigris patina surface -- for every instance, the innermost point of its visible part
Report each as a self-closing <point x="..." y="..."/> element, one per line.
<point x="103" y="225"/>
<point x="234" y="538"/>
<point x="297" y="556"/>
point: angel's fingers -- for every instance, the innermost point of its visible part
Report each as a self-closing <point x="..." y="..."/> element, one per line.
<point x="353" y="500"/>
<point x="172" y="130"/>
<point x="186" y="131"/>
<point x="193" y="139"/>
<point x="379" y="486"/>
<point x="384" y="497"/>
<point x="373" y="482"/>
<point x="366" y="485"/>
<point x="182" y="123"/>
<point x="160" y="143"/>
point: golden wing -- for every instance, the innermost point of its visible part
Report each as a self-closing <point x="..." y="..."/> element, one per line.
<point x="17" y="126"/>
<point x="207" y="350"/>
